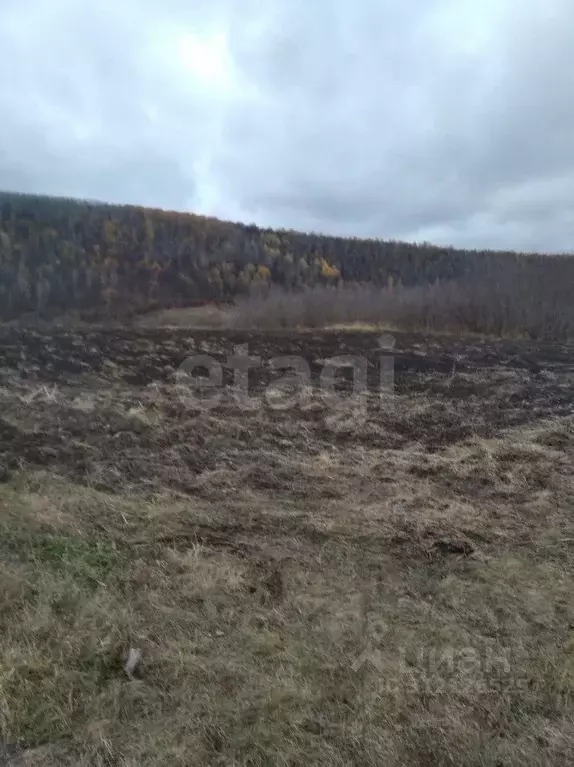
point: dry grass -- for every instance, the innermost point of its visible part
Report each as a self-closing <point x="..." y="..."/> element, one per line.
<point x="207" y="316"/>
<point x="299" y="595"/>
<point x="250" y="634"/>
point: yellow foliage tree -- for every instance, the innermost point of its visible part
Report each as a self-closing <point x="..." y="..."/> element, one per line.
<point x="264" y="272"/>
<point x="328" y="272"/>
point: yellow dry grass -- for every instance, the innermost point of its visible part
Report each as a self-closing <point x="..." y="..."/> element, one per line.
<point x="431" y="624"/>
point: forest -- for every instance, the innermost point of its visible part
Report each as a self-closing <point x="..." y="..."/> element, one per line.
<point x="59" y="255"/>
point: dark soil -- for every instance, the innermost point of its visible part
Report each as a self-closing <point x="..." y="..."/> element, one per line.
<point x="104" y="405"/>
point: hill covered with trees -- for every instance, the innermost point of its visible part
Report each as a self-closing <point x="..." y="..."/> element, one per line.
<point x="58" y="255"/>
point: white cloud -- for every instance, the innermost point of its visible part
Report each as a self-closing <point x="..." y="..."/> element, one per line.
<point x="427" y="119"/>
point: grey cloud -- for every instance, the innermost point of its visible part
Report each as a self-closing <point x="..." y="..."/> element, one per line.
<point x="419" y="120"/>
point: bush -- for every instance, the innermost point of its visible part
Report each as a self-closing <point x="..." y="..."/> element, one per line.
<point x="519" y="301"/>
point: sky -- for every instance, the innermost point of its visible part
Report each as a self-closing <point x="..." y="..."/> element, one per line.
<point x="449" y="121"/>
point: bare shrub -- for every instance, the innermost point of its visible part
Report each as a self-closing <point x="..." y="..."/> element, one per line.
<point x="512" y="299"/>
<point x="311" y="307"/>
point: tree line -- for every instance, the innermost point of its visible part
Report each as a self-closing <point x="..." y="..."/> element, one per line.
<point x="59" y="255"/>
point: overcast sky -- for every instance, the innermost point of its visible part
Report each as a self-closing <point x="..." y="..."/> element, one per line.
<point x="443" y="120"/>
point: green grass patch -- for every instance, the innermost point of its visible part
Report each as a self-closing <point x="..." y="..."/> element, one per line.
<point x="88" y="563"/>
